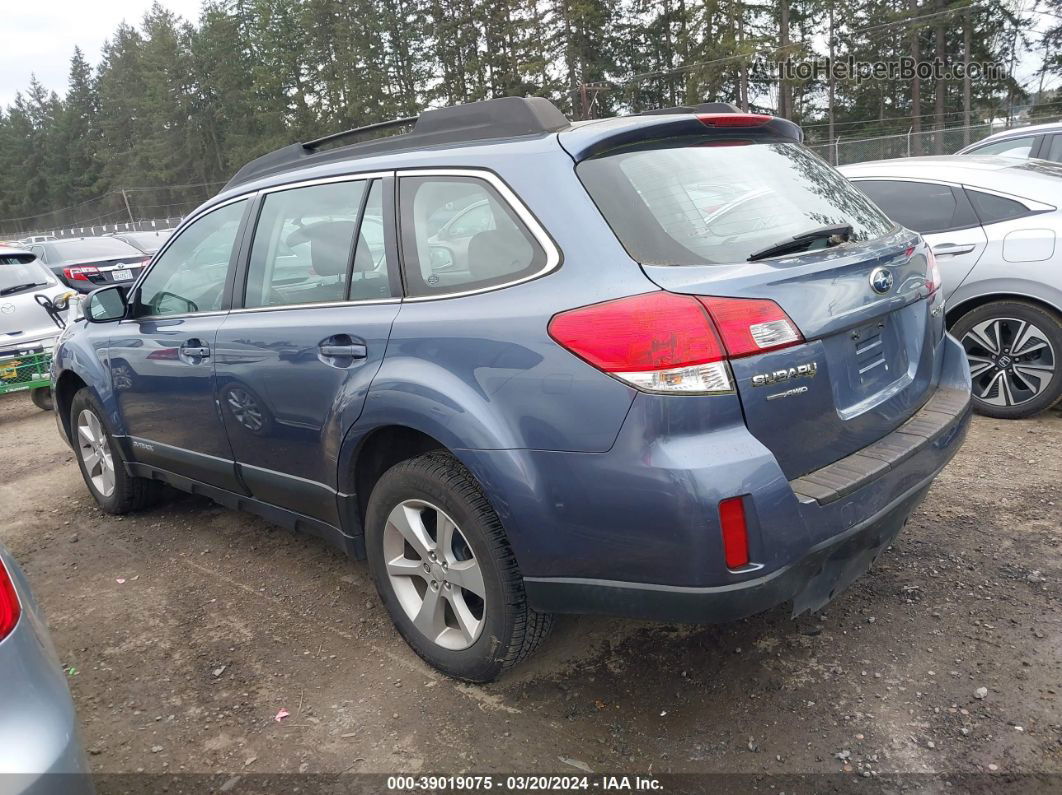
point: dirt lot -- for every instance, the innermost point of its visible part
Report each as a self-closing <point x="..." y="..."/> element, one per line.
<point x="189" y="627"/>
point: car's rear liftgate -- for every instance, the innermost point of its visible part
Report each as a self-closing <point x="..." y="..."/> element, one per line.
<point x="869" y="360"/>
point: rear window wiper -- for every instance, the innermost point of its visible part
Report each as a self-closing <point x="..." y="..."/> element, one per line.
<point x="833" y="235"/>
<point x="18" y="287"/>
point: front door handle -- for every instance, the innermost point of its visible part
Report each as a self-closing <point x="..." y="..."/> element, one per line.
<point x="953" y="249"/>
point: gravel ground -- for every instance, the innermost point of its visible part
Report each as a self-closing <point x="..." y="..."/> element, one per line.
<point x="187" y="628"/>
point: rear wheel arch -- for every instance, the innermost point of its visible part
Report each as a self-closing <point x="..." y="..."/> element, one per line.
<point x="380" y="450"/>
<point x="954" y="313"/>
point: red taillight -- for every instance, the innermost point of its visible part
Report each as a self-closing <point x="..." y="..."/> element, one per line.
<point x="10" y="609"/>
<point x="751" y="325"/>
<point x="733" y="119"/>
<point x="735" y="532"/>
<point x="933" y="276"/>
<point x="80" y="273"/>
<point x="642" y="332"/>
<point x="663" y="342"/>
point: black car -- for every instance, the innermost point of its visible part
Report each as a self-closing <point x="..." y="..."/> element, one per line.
<point x="85" y="263"/>
<point x="149" y="241"/>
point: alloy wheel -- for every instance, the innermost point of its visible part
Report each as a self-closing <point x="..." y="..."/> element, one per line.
<point x="95" y="452"/>
<point x="434" y="574"/>
<point x="1011" y="361"/>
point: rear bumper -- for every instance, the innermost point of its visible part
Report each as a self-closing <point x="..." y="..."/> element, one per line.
<point x="809" y="583"/>
<point x="635" y="532"/>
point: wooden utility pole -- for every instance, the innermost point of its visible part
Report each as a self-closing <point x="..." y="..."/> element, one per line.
<point x="125" y="198"/>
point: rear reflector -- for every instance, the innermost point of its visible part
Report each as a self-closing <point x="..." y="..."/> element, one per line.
<point x="733" y="119"/>
<point x="751" y="325"/>
<point x="10" y="609"/>
<point x="735" y="533"/>
<point x="80" y="273"/>
<point x="668" y="343"/>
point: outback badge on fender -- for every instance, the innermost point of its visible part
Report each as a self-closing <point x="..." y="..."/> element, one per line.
<point x="788" y="374"/>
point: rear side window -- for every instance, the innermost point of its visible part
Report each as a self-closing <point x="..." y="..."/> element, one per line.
<point x="459" y="234"/>
<point x="991" y="209"/>
<point x="1054" y="151"/>
<point x="1013" y="147"/>
<point x="921" y="206"/>
<point x="706" y="205"/>
<point x="307" y="248"/>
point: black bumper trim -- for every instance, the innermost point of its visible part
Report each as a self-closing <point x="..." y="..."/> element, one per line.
<point x="940" y="414"/>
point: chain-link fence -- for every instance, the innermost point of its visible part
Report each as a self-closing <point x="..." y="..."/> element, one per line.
<point x="858" y="149"/>
<point x="162" y="207"/>
<point x="123" y="209"/>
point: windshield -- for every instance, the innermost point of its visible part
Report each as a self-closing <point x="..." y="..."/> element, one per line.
<point x="17" y="273"/>
<point x="88" y="248"/>
<point x="707" y="205"/>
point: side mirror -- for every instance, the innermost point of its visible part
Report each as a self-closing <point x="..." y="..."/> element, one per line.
<point x="105" y="305"/>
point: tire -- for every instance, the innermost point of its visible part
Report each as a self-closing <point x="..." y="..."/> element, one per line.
<point x="42" y="398"/>
<point x="422" y="494"/>
<point x="1015" y="354"/>
<point x="121" y="493"/>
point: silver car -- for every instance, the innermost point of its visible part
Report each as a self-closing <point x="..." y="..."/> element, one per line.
<point x="40" y="752"/>
<point x="995" y="227"/>
<point x="1042" y="141"/>
<point x="34" y="306"/>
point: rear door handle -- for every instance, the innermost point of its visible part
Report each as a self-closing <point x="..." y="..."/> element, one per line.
<point x="352" y="351"/>
<point x="201" y="353"/>
<point x="953" y="249"/>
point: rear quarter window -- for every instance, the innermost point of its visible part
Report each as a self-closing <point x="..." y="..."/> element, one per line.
<point x="460" y="234"/>
<point x="922" y="206"/>
<point x="703" y="205"/>
<point x="992" y="209"/>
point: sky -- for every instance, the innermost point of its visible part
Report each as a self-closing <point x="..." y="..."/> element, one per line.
<point x="39" y="36"/>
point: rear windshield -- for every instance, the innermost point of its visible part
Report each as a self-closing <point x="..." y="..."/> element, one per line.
<point x="17" y="273"/>
<point x="708" y="205"/>
<point x="89" y="248"/>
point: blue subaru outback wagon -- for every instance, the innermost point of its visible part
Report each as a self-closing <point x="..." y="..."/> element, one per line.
<point x="670" y="366"/>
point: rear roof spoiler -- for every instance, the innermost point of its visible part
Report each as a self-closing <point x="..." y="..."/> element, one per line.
<point x="711" y="121"/>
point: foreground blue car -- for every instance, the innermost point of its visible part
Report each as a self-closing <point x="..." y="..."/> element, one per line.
<point x="40" y="752"/>
<point x="670" y="366"/>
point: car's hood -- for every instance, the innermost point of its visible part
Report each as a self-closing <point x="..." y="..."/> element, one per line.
<point x="24" y="322"/>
